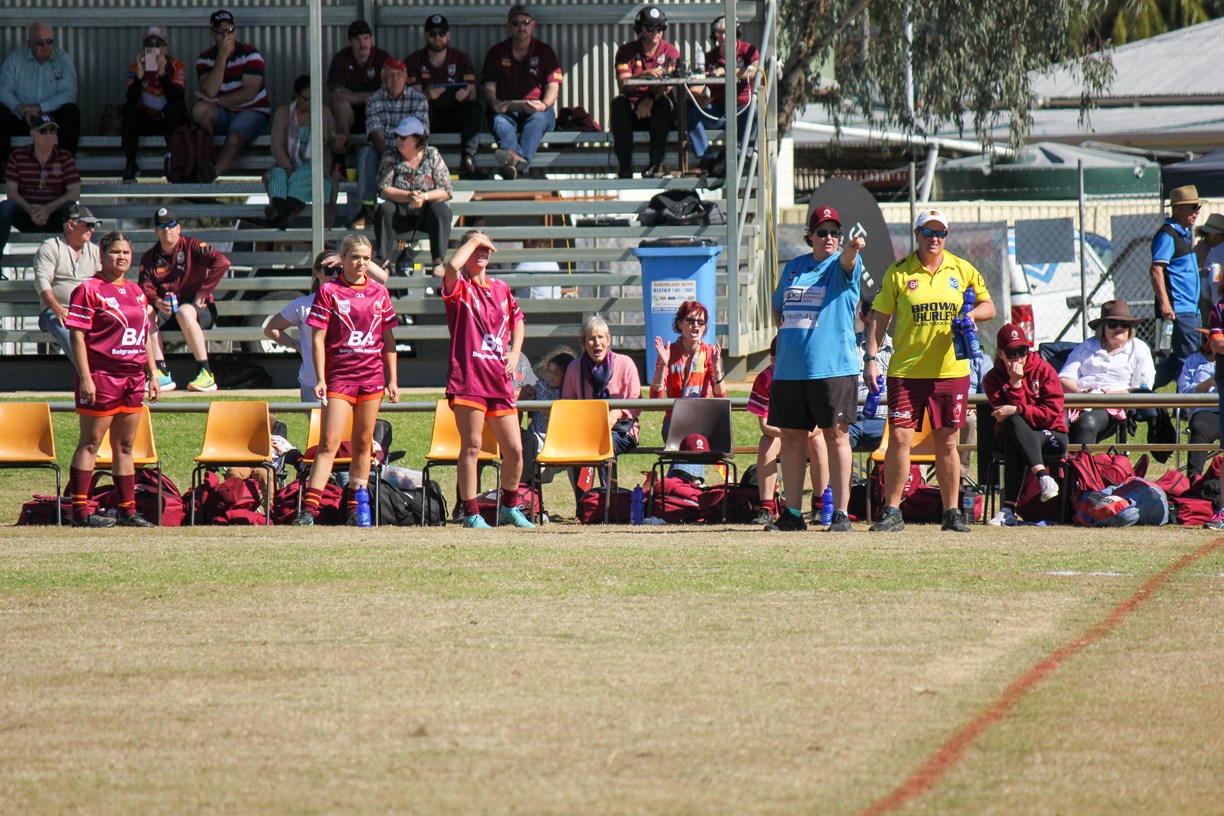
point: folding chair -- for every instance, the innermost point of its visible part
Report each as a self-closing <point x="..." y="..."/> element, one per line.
<point x="237" y="434"/>
<point x="28" y="441"/>
<point x="444" y="448"/>
<point x="922" y="452"/>
<point x="144" y="453"/>
<point x="314" y="434"/>
<point x="578" y="435"/>
<point x="712" y="419"/>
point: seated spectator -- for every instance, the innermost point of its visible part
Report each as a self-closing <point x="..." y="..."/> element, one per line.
<point x="354" y="76"/>
<point x="1026" y="401"/>
<point x="710" y="109"/>
<point x="600" y="373"/>
<point x="156" y="97"/>
<point x="549" y="385"/>
<point x="42" y="183"/>
<point x="384" y="111"/>
<point x="1114" y="361"/>
<point x="447" y="76"/>
<point x="1198" y="377"/>
<point x="37" y="81"/>
<point x="415" y="185"/>
<point x="60" y="264"/>
<point x="289" y="181"/>
<point x="639" y="107"/>
<point x="178" y="275"/>
<point x="522" y="79"/>
<point x="231" y="99"/>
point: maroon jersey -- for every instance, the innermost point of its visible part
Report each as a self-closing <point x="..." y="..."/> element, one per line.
<point x="631" y="60"/>
<point x="520" y="79"/>
<point x="190" y="270"/>
<point x="481" y="320"/>
<point x="354" y="318"/>
<point x="758" y="400"/>
<point x="745" y="55"/>
<point x="456" y="67"/>
<point x="345" y="72"/>
<point x="114" y="318"/>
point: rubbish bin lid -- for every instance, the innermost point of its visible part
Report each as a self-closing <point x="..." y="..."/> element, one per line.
<point x="676" y="241"/>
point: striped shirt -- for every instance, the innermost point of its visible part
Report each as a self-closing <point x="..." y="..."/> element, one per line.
<point x="41" y="183"/>
<point x="245" y="60"/>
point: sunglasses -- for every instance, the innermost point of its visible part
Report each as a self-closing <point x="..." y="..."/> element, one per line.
<point x="1016" y="354"/>
<point x="520" y="23"/>
<point x="1117" y="324"/>
<point x="154" y="42"/>
<point x="927" y="232"/>
<point x="694" y="321"/>
<point x="47" y="41"/>
<point x="167" y="225"/>
<point x="49" y="130"/>
<point x="827" y="233"/>
<point x="653" y="28"/>
<point x="85" y="225"/>
<point x="437" y="32"/>
<point x="224" y="32"/>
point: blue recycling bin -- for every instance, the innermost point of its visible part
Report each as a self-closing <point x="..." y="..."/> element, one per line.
<point x="671" y="274"/>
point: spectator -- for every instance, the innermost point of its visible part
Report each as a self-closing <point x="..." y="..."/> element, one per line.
<point x="289" y="181"/>
<point x="548" y="386"/>
<point x="37" y="81"/>
<point x="1198" y="377"/>
<point x="60" y="265"/>
<point x="640" y="107"/>
<point x="522" y="79"/>
<point x="1175" y="280"/>
<point x="1026" y="401"/>
<point x="415" y="185"/>
<point x="1113" y="361"/>
<point x="600" y="373"/>
<point x="968" y="437"/>
<point x="710" y="108"/>
<point x="448" y="77"/>
<point x="231" y="99"/>
<point x="385" y="110"/>
<point x="181" y="272"/>
<point x="1206" y="252"/>
<point x="867" y="434"/>
<point x="156" y="97"/>
<point x="42" y="183"/>
<point x="540" y="267"/>
<point x="1215" y="341"/>
<point x="354" y="76"/>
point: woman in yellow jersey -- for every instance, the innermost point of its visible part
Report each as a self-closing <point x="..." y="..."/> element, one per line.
<point x="924" y="291"/>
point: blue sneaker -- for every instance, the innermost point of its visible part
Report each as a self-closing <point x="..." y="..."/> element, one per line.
<point x="476" y="522"/>
<point x="513" y="515"/>
<point x="165" y="381"/>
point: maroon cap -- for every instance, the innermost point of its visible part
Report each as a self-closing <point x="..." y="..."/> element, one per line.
<point x="695" y="443"/>
<point x="394" y="64"/>
<point x="1012" y="337"/>
<point x="823" y="214"/>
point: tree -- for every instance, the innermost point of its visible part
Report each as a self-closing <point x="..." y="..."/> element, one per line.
<point x="1130" y="20"/>
<point x="967" y="57"/>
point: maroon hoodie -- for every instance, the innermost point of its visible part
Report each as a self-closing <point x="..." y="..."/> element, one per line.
<point x="1038" y="400"/>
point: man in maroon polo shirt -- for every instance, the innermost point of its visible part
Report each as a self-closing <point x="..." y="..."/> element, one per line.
<point x="353" y="77"/>
<point x="447" y="76"/>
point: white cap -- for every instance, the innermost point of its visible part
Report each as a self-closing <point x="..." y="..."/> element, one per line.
<point x="928" y="215"/>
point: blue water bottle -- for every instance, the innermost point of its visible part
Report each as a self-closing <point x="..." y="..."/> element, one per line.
<point x="172" y="299"/>
<point x="964" y="334"/>
<point x="363" y="508"/>
<point x="872" y="404"/>
<point x="826" y="506"/>
<point x="636" y="508"/>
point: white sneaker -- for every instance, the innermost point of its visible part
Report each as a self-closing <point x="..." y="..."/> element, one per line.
<point x="1004" y="518"/>
<point x="1049" y="487"/>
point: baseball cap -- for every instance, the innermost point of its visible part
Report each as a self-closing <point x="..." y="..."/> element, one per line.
<point x="155" y="33"/>
<point x="410" y="126"/>
<point x="1012" y="337"/>
<point x="695" y="443"/>
<point x="163" y="215"/>
<point x="519" y="10"/>
<point x="927" y="216"/>
<point x="359" y="27"/>
<point x="823" y="214"/>
<point x="394" y="64"/>
<point x="79" y="212"/>
<point x="436" y="21"/>
<point x="43" y="120"/>
<point x="220" y="16"/>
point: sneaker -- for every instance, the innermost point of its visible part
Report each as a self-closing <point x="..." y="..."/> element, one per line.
<point x="508" y="163"/>
<point x="1006" y="517"/>
<point x="788" y="522"/>
<point x="94" y="520"/>
<point x="1216" y="522"/>
<point x="1049" y="487"/>
<point x="135" y="520"/>
<point x="841" y="523"/>
<point x="654" y="171"/>
<point x="890" y="522"/>
<point x="130" y="172"/>
<point x="953" y="522"/>
<point x="165" y="381"/>
<point x="513" y="515"/>
<point x="204" y="381"/>
<point x="304" y="518"/>
<point x="477" y="522"/>
<point x="763" y="517"/>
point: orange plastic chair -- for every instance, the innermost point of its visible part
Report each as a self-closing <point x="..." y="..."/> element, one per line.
<point x="922" y="452"/>
<point x="313" y="434"/>
<point x="28" y="441"/>
<point x="237" y="434"/>
<point x="578" y="435"/>
<point x="444" y="447"/>
<point x="144" y="453"/>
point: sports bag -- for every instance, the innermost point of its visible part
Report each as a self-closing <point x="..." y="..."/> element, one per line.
<point x="1095" y="508"/>
<point x="189" y="148"/>
<point x="526" y="496"/>
<point x="1147" y="498"/>
<point x="402" y="508"/>
<point x="674" y="208"/>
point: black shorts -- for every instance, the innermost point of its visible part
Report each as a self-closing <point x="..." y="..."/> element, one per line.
<point x="207" y="316"/>
<point x="801" y="405"/>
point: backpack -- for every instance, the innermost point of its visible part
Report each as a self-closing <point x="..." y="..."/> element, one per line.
<point x="674" y="208"/>
<point x="235" y="371"/>
<point x="225" y="502"/>
<point x="331" y="506"/>
<point x="1029" y="505"/>
<point x="189" y="148"/>
<point x="1086" y="472"/>
<point x="402" y="508"/>
<point x="590" y="509"/>
<point x="527" y="497"/>
<point x="41" y="510"/>
<point x="577" y="118"/>
<point x="1095" y="508"/>
<point x="1147" y="498"/>
<point x="173" y="509"/>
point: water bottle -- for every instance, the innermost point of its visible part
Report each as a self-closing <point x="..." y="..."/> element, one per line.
<point x="636" y="508"/>
<point x="826" y="506"/>
<point x="964" y="334"/>
<point x="872" y="403"/>
<point x="172" y="299"/>
<point x="1165" y="341"/>
<point x="969" y="505"/>
<point x="699" y="62"/>
<point x="363" y="508"/>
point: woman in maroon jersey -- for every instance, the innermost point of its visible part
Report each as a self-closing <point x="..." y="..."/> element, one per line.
<point x="486" y="328"/>
<point x="113" y="350"/>
<point x="355" y="363"/>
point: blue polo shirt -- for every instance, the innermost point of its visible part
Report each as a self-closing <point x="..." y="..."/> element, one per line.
<point x="817" y="300"/>
<point x="1181" y="272"/>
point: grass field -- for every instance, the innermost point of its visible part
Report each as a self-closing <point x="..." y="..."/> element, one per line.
<point x="678" y="671"/>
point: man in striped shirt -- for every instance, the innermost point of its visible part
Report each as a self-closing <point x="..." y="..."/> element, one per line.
<point x="41" y="182"/>
<point x="231" y="100"/>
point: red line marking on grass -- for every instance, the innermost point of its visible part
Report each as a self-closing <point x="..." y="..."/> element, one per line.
<point x="951" y="751"/>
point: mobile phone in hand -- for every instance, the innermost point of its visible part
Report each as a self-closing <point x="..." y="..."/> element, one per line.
<point x="150" y="60"/>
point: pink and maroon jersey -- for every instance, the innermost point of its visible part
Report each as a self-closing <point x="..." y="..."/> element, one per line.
<point x="354" y="318"/>
<point x="758" y="400"/>
<point x="631" y="60"/>
<point x="114" y="318"/>
<point x="481" y="320"/>
<point x="520" y="79"/>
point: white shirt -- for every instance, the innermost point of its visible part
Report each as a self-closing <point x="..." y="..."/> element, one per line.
<point x="538" y="292"/>
<point x="295" y="314"/>
<point x="1095" y="369"/>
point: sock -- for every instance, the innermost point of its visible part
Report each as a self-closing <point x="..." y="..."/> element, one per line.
<point x="509" y="498"/>
<point x="78" y="489"/>
<point x="125" y="487"/>
<point x="471" y="507"/>
<point x="771" y="505"/>
<point x="314" y="497"/>
<point x="161" y="366"/>
<point x="202" y="367"/>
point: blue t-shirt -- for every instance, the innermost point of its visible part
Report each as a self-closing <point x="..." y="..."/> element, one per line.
<point x="1182" y="274"/>
<point x="817" y="300"/>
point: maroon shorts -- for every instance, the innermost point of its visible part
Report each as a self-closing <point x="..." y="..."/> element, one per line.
<point x="491" y="406"/>
<point x="114" y="394"/>
<point x="911" y="398"/>
<point x="354" y="394"/>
